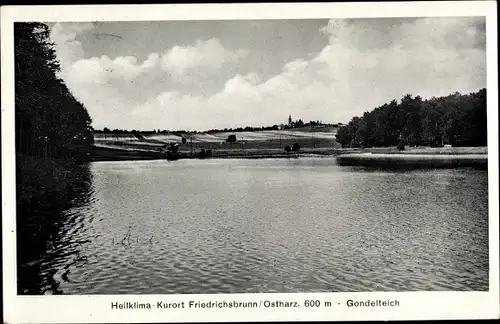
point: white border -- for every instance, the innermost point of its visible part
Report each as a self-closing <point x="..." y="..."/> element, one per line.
<point x="91" y="309"/>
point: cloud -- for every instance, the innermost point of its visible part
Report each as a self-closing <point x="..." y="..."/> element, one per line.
<point x="209" y="54"/>
<point x="67" y="47"/>
<point x="365" y="63"/>
<point x="178" y="61"/>
<point x="113" y="88"/>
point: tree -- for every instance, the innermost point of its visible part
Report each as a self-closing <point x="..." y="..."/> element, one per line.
<point x="173" y="147"/>
<point x="295" y="147"/>
<point x="455" y="119"/>
<point x="343" y="136"/>
<point x="48" y="117"/>
<point x="411" y="129"/>
<point x="231" y="138"/>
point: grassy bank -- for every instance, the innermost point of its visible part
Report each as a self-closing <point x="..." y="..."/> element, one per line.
<point x="419" y="150"/>
<point x="118" y="154"/>
<point x="114" y="154"/>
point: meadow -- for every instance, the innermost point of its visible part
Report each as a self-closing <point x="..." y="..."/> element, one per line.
<point x="273" y="141"/>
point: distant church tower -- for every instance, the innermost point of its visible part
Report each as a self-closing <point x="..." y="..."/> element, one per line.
<point x="290" y="121"/>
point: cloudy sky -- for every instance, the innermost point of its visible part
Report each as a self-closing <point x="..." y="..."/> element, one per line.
<point x="198" y="75"/>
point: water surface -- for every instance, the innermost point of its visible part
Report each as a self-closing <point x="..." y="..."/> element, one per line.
<point x="286" y="225"/>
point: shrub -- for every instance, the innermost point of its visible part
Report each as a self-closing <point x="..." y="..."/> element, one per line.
<point x="209" y="153"/>
<point x="174" y="147"/>
<point x="184" y="140"/>
<point x="172" y="156"/>
<point x="401" y="146"/>
<point x="288" y="148"/>
<point x="202" y="154"/>
<point x="295" y="147"/>
<point x="231" y="138"/>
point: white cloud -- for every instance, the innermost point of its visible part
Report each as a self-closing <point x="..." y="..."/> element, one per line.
<point x="360" y="68"/>
<point x="179" y="61"/>
<point x="209" y="54"/>
<point x="68" y="48"/>
<point x="111" y="88"/>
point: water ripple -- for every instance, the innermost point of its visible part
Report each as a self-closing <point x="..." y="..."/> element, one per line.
<point x="266" y="226"/>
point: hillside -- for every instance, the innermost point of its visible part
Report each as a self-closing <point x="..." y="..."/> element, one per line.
<point x="320" y="137"/>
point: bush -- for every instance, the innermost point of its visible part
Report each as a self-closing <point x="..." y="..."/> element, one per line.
<point x="231" y="138"/>
<point x="172" y="156"/>
<point x="184" y="140"/>
<point x="401" y="146"/>
<point x="174" y="147"/>
<point x="295" y="147"/>
<point x="204" y="153"/>
<point x="288" y="148"/>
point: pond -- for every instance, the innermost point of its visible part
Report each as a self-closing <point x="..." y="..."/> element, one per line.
<point x="272" y="225"/>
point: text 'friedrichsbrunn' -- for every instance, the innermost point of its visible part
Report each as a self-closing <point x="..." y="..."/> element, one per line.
<point x="248" y="304"/>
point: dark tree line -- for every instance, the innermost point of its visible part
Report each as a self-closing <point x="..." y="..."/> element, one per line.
<point x="244" y="129"/>
<point x="456" y="119"/>
<point x="50" y="122"/>
<point x="296" y="124"/>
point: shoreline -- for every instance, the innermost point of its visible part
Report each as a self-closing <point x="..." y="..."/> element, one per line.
<point x="116" y="154"/>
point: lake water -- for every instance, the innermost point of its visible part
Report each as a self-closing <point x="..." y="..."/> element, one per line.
<point x="285" y="225"/>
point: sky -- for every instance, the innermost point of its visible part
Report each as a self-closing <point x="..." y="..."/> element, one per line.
<point x="200" y="75"/>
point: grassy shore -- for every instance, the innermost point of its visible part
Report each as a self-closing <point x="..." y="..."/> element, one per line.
<point x="420" y="150"/>
<point x="100" y="153"/>
<point x="115" y="154"/>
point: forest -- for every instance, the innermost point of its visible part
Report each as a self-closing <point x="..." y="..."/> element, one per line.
<point x="456" y="119"/>
<point x="50" y="122"/>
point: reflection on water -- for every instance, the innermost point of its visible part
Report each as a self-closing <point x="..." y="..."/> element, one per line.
<point x="299" y="225"/>
<point x="41" y="238"/>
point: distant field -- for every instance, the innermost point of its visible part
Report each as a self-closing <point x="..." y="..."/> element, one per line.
<point x="267" y="135"/>
<point x="101" y="136"/>
<point x="273" y="139"/>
